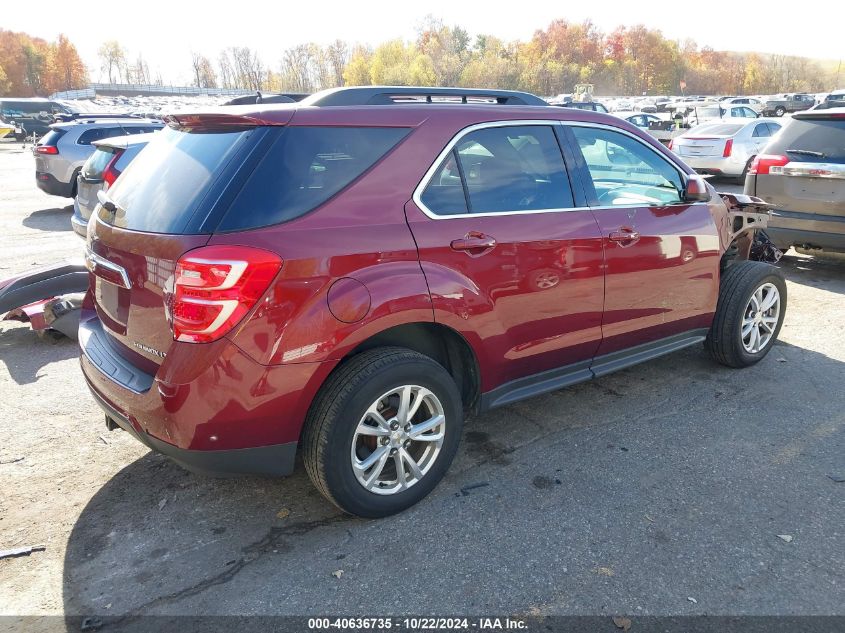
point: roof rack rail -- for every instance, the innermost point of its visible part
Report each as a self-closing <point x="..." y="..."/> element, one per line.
<point x="258" y="97"/>
<point x="75" y="116"/>
<point x="390" y="95"/>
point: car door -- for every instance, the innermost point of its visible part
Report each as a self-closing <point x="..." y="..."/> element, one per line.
<point x="511" y="255"/>
<point x="661" y="254"/>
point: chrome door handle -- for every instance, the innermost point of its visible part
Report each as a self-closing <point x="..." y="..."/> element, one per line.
<point x="623" y="235"/>
<point x="474" y="243"/>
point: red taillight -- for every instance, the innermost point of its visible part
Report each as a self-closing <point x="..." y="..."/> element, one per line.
<point x="671" y="144"/>
<point x="729" y="146"/>
<point x="110" y="173"/>
<point x="215" y="287"/>
<point x="762" y="164"/>
<point x="46" y="149"/>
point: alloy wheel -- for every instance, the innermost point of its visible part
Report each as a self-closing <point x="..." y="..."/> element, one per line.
<point x="398" y="439"/>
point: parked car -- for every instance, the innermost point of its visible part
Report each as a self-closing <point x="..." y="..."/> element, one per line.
<point x="111" y="156"/>
<point x="640" y="119"/>
<point x="752" y="102"/>
<point x="835" y="99"/>
<point x="60" y="153"/>
<point x="351" y="279"/>
<point x="783" y="104"/>
<point x="592" y="106"/>
<point x="802" y="173"/>
<point x="712" y="113"/>
<point x="724" y="149"/>
<point x="32" y="116"/>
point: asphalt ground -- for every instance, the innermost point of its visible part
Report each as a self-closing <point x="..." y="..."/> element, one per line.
<point x="670" y="488"/>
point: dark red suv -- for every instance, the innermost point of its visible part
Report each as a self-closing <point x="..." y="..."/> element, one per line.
<point x="354" y="273"/>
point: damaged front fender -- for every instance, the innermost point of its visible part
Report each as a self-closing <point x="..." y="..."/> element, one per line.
<point x="748" y="216"/>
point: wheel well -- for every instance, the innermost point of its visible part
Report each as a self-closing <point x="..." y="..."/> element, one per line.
<point x="439" y="343"/>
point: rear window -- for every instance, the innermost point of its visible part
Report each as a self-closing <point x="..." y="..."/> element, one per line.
<point x="96" y="164"/>
<point x="305" y="167"/>
<point x="51" y="138"/>
<point x="818" y="136"/>
<point x="719" y="129"/>
<point x="163" y="187"/>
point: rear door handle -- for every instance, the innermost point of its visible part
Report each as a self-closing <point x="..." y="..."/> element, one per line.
<point x="624" y="235"/>
<point x="474" y="243"/>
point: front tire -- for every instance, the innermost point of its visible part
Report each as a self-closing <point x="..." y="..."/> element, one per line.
<point x="382" y="431"/>
<point x="749" y="314"/>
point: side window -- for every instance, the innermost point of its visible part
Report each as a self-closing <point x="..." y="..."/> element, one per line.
<point x="761" y="130"/>
<point x="626" y="171"/>
<point x="601" y="108"/>
<point x="97" y="134"/>
<point x="774" y="128"/>
<point x="749" y="113"/>
<point x="135" y="129"/>
<point x="444" y="194"/>
<point x="517" y="168"/>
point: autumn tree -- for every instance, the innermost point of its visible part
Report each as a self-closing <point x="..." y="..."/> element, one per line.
<point x="112" y="60"/>
<point x="67" y="72"/>
<point x="204" y="76"/>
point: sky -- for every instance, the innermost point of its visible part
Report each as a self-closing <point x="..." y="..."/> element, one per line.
<point x="167" y="37"/>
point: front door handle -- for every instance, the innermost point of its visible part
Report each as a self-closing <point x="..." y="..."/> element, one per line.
<point x="474" y="243"/>
<point x="624" y="235"/>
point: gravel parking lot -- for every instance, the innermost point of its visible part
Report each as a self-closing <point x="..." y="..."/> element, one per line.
<point x="659" y="490"/>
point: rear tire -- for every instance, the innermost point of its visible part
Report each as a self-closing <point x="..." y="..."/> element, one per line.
<point x="780" y="111"/>
<point x="749" y="314"/>
<point x="352" y="420"/>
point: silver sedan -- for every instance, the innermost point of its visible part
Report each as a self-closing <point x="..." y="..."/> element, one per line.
<point x="724" y="149"/>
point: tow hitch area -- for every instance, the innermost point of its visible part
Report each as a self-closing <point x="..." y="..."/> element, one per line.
<point x="748" y="216"/>
<point x="48" y="298"/>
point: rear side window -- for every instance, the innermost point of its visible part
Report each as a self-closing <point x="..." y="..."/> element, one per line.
<point x="96" y="164"/>
<point x="140" y="129"/>
<point x="501" y="169"/>
<point x="817" y="140"/>
<point x="98" y="134"/>
<point x="163" y="187"/>
<point x="305" y="167"/>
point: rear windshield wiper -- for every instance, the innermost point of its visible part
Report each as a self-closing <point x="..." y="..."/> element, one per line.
<point x="806" y="152"/>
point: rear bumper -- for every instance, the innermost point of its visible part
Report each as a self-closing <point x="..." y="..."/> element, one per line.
<point x="277" y="460"/>
<point x="811" y="239"/>
<point x="813" y="230"/>
<point x="715" y="165"/>
<point x="48" y="183"/>
<point x="213" y="410"/>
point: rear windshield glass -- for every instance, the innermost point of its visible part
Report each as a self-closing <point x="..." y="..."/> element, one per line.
<point x="719" y="129"/>
<point x="823" y="139"/>
<point x="97" y="163"/>
<point x="160" y="190"/>
<point x="305" y="167"/>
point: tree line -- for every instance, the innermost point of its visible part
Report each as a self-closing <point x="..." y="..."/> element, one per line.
<point x="626" y="61"/>
<point x="31" y="66"/>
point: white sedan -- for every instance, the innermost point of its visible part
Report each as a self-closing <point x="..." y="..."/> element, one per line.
<point x="724" y="149"/>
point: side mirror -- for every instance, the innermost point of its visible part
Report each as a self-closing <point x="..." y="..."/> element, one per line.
<point x="696" y="190"/>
